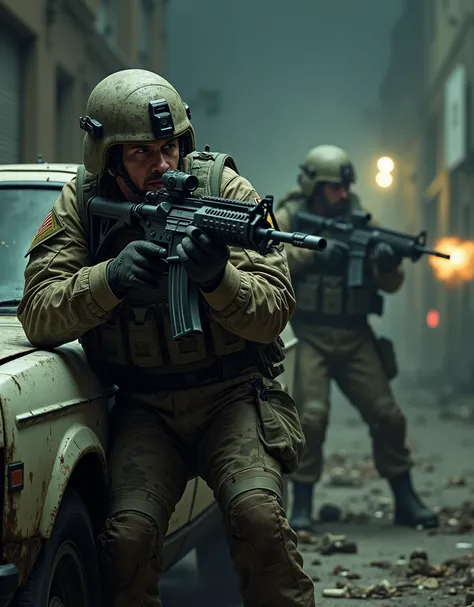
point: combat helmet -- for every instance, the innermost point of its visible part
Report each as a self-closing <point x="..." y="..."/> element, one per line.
<point x="325" y="164"/>
<point x="132" y="106"/>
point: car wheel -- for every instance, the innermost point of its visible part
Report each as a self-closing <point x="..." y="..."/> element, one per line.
<point x="66" y="572"/>
<point x="216" y="570"/>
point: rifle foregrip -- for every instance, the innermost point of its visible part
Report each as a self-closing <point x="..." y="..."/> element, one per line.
<point x="183" y="297"/>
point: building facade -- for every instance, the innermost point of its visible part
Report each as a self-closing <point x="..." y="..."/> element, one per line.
<point x="400" y="99"/>
<point x="52" y="53"/>
<point x="427" y="101"/>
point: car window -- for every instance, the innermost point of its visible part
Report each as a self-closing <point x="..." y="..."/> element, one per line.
<point x="22" y="210"/>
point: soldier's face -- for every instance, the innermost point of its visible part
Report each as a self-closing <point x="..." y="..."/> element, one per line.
<point x="335" y="193"/>
<point x="145" y="163"/>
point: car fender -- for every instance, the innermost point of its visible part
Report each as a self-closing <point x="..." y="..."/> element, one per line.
<point x="54" y="410"/>
<point x="76" y="444"/>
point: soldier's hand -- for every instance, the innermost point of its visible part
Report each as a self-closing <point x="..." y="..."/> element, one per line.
<point x="203" y="258"/>
<point x="385" y="258"/>
<point x="334" y="257"/>
<point x="140" y="264"/>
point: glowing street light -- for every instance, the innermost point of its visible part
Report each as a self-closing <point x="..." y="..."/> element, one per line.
<point x="385" y="164"/>
<point x="383" y="180"/>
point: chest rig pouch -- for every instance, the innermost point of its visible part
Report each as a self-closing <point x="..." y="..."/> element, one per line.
<point x="323" y="296"/>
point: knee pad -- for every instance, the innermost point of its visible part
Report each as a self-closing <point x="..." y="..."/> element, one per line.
<point x="127" y="544"/>
<point x="255" y="522"/>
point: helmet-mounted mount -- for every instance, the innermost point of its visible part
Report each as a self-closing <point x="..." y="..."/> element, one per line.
<point x="347" y="174"/>
<point x="161" y="118"/>
<point x="91" y="126"/>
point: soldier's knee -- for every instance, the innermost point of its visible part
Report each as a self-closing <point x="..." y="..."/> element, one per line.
<point x="391" y="425"/>
<point x="256" y="520"/>
<point x="127" y="546"/>
<point x="314" y="419"/>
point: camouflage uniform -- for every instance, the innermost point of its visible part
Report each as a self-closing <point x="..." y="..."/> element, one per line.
<point x="201" y="406"/>
<point x="336" y="342"/>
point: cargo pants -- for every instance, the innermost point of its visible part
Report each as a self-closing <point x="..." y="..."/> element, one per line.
<point x="350" y="357"/>
<point x="239" y="436"/>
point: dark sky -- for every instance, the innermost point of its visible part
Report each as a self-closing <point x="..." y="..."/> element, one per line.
<point x="292" y="75"/>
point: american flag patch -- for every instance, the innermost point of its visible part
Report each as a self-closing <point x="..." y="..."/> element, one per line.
<point x="48" y="223"/>
<point x="49" y="226"/>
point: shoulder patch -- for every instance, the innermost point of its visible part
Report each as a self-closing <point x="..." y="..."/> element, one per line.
<point x="48" y="228"/>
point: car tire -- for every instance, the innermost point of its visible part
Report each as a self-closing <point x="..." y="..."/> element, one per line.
<point x="216" y="570"/>
<point x="66" y="572"/>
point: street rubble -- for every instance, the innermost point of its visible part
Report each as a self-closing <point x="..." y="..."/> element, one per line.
<point x="406" y="576"/>
<point x="346" y="471"/>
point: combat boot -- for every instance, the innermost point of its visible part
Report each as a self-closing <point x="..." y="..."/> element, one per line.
<point x="302" y="507"/>
<point x="409" y="509"/>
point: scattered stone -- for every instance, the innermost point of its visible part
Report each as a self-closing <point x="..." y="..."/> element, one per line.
<point x="335" y="593"/>
<point x="381" y="564"/>
<point x="334" y="544"/>
<point x="457" y="520"/>
<point x="431" y="583"/>
<point x="329" y="513"/>
<point x="342" y="478"/>
<point x="456" y="481"/>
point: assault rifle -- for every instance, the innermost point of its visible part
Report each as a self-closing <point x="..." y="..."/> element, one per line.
<point x="361" y="237"/>
<point x="164" y="216"/>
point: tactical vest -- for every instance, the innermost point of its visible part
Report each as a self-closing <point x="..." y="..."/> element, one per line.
<point x="322" y="296"/>
<point x="135" y="347"/>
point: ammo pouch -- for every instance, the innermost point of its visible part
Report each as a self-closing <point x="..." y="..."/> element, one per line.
<point x="264" y="358"/>
<point x="387" y="357"/>
<point x="279" y="429"/>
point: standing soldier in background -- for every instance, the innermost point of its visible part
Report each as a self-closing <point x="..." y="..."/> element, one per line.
<point x="205" y="406"/>
<point x="336" y="341"/>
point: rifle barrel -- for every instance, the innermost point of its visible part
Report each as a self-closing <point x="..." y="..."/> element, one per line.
<point x="436" y="253"/>
<point x="297" y="239"/>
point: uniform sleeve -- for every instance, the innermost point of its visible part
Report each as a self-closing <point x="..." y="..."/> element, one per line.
<point x="390" y="282"/>
<point x="63" y="296"/>
<point x="298" y="259"/>
<point x="255" y="299"/>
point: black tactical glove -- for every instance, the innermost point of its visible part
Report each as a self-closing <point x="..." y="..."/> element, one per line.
<point x="140" y="264"/>
<point x="385" y="258"/>
<point x="203" y="258"/>
<point x="334" y="257"/>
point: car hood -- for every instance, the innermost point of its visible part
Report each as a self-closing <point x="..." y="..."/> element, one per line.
<point x="13" y="342"/>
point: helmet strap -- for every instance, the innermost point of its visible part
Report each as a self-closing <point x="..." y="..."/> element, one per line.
<point x="117" y="169"/>
<point x="129" y="194"/>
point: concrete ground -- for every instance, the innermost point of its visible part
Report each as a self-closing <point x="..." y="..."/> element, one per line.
<point x="442" y="442"/>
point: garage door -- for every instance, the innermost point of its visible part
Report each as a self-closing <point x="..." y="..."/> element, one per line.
<point x="11" y="79"/>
